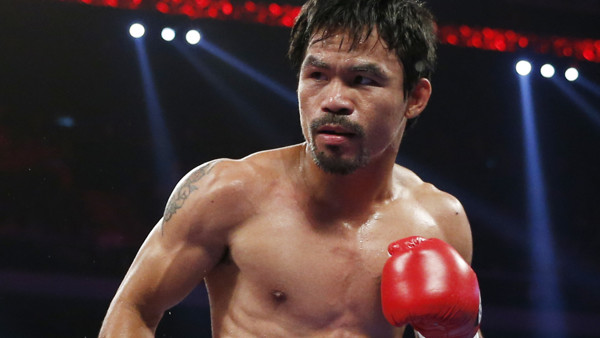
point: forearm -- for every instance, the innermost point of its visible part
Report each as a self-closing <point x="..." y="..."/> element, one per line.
<point x="124" y="321"/>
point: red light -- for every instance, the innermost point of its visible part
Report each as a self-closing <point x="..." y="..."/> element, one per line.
<point x="111" y="3"/>
<point x="275" y="9"/>
<point x="589" y="54"/>
<point x="213" y="12"/>
<point x="296" y="10"/>
<point x="476" y="41"/>
<point x="465" y="31"/>
<point x="262" y="17"/>
<point x="567" y="51"/>
<point x="452" y="39"/>
<point x="523" y="42"/>
<point x="87" y="1"/>
<point x="250" y="6"/>
<point x="227" y="8"/>
<point x="511" y="36"/>
<point x="187" y="10"/>
<point x="287" y="21"/>
<point x="162" y="7"/>
<point x="500" y="44"/>
<point x="202" y="3"/>
<point x="488" y="33"/>
<point x="559" y="43"/>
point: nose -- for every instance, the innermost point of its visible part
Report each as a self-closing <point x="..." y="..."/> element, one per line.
<point x="336" y="99"/>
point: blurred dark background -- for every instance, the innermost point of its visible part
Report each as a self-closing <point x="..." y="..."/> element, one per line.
<point x="85" y="169"/>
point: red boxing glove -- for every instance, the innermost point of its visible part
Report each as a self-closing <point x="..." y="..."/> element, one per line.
<point x="427" y="284"/>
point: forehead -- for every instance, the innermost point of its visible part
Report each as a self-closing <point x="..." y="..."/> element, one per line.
<point x="368" y="46"/>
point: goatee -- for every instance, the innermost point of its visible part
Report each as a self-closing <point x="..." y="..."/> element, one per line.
<point x="333" y="163"/>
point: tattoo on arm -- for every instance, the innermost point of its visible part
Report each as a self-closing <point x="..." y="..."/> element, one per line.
<point x="184" y="191"/>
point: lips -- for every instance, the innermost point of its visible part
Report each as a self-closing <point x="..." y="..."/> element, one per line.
<point x="335" y="130"/>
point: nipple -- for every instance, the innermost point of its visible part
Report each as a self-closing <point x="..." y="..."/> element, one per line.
<point x="279" y="296"/>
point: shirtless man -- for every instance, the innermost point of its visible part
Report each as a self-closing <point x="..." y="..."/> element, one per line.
<point x="292" y="242"/>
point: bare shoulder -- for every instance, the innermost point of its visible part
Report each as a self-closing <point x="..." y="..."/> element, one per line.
<point x="224" y="191"/>
<point x="447" y="211"/>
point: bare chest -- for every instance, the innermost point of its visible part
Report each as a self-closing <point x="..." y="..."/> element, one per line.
<point x="327" y="275"/>
<point x="329" y="263"/>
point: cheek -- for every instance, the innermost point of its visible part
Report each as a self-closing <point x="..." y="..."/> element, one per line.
<point x="304" y="108"/>
<point x="387" y="123"/>
<point x="306" y="97"/>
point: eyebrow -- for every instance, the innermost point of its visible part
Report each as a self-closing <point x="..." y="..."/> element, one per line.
<point x="313" y="61"/>
<point x="370" y="68"/>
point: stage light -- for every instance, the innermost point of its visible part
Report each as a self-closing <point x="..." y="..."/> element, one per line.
<point x="523" y="67"/>
<point x="227" y="8"/>
<point x="137" y="30"/>
<point x="547" y="71"/>
<point x="168" y="34"/>
<point x="193" y="37"/>
<point x="571" y="74"/>
<point x="250" y="6"/>
<point x="275" y="9"/>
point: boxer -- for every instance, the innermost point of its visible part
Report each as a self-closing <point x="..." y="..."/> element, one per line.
<point x="294" y="241"/>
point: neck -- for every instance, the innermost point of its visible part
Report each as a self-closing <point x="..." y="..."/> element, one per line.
<point x="349" y="194"/>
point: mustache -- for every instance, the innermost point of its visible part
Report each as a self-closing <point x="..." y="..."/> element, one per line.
<point x="339" y="120"/>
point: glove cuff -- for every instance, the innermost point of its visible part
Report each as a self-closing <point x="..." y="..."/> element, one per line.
<point x="418" y="335"/>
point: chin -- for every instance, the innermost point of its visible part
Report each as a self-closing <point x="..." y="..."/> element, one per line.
<point x="335" y="164"/>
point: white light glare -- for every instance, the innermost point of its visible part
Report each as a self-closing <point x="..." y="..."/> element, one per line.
<point x="168" y="34"/>
<point x="137" y="30"/>
<point x="571" y="74"/>
<point x="547" y="71"/>
<point x="193" y="37"/>
<point x="523" y="67"/>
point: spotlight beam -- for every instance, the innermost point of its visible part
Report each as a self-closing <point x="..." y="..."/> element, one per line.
<point x="544" y="288"/>
<point x="164" y="156"/>
<point x="507" y="227"/>
<point x="244" y="68"/>
<point x="264" y="129"/>
<point x="592" y="87"/>
<point x="592" y="113"/>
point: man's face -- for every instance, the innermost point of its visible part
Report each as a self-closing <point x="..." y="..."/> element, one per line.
<point x="352" y="103"/>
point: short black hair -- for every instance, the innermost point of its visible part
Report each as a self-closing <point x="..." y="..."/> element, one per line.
<point x="406" y="26"/>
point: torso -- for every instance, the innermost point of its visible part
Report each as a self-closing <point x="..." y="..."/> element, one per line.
<point x="287" y="274"/>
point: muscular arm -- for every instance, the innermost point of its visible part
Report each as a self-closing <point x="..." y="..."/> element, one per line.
<point x="176" y="256"/>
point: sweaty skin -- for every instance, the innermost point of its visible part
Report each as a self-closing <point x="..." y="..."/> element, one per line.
<point x="287" y="248"/>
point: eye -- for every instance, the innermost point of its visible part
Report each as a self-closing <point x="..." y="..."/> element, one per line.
<point x="317" y="76"/>
<point x="364" y="81"/>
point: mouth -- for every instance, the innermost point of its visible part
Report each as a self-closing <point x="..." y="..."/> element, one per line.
<point x="335" y="130"/>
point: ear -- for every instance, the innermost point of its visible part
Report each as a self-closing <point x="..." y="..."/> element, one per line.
<point x="418" y="98"/>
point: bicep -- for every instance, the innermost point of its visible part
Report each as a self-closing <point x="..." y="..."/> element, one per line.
<point x="181" y="249"/>
<point x="189" y="241"/>
<point x="164" y="271"/>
